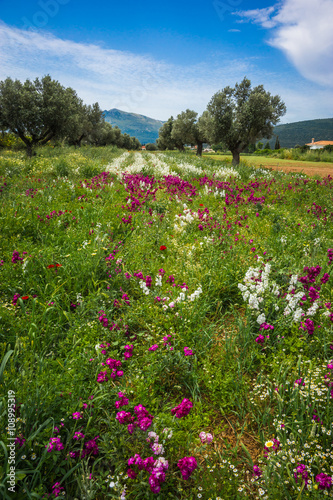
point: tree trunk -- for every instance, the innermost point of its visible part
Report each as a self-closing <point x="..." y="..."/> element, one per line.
<point x="235" y="157"/>
<point x="199" y="148"/>
<point x="29" y="150"/>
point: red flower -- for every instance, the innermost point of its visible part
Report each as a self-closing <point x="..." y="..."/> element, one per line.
<point x="25" y="297"/>
<point x="201" y="205"/>
<point x="50" y="266"/>
<point x="163" y="247"/>
<point x="58" y="265"/>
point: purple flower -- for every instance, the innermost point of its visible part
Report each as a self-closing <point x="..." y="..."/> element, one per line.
<point x="308" y="325"/>
<point x="153" y="347"/>
<point x="302" y="472"/>
<point x="148" y="281"/>
<point x="124" y="417"/>
<point x="77" y="415"/>
<point x="145" y="423"/>
<point x="260" y="339"/>
<point x="15" y="298"/>
<point x="131" y="473"/>
<point x="313" y="294"/>
<point x="325" y="481"/>
<point x="325" y="278"/>
<point x="136" y="460"/>
<point x="128" y="351"/>
<point x="183" y="409"/>
<point x="131" y="428"/>
<point x="187" y="466"/>
<point x="102" y="377"/>
<point x="78" y="435"/>
<point x="123" y="401"/>
<point x="90" y="447"/>
<point x="19" y="441"/>
<point x="257" y="471"/>
<point x="54" y="444"/>
<point x="148" y="463"/>
<point x="188" y="352"/>
<point x="57" y="489"/>
<point x="16" y="257"/>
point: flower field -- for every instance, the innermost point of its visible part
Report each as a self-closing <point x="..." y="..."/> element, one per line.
<point x="166" y="328"/>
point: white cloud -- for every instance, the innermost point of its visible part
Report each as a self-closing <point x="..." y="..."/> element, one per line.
<point x="114" y="78"/>
<point x="303" y="31"/>
<point x="234" y="31"/>
<point x="142" y="84"/>
<point x="259" y="16"/>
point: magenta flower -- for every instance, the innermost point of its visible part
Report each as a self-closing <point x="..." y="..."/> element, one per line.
<point x="325" y="481"/>
<point x="57" y="489"/>
<point x="188" y="352"/>
<point x="183" y="409"/>
<point x="77" y="415"/>
<point x="78" y="435"/>
<point x="19" y="441"/>
<point x="187" y="466"/>
<point x="153" y="347"/>
<point x="260" y="339"/>
<point x="124" y="417"/>
<point x="54" y="444"/>
<point x="91" y="448"/>
<point x="123" y="401"/>
<point x="257" y="471"/>
<point x="102" y="377"/>
<point x="128" y="351"/>
<point x="130" y="428"/>
<point x="131" y="473"/>
<point x="301" y="472"/>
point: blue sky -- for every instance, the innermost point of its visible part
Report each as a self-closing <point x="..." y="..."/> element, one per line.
<point x="159" y="58"/>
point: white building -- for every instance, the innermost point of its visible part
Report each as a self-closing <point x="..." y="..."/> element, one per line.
<point x="319" y="144"/>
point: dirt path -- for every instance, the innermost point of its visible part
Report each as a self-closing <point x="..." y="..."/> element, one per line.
<point x="310" y="168"/>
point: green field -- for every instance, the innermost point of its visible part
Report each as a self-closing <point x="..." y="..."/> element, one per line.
<point x="166" y="328"/>
<point x="277" y="162"/>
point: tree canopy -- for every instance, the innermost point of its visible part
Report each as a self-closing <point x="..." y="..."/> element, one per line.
<point x="38" y="111"/>
<point x="241" y="115"/>
<point x="42" y="110"/>
<point x="187" y="129"/>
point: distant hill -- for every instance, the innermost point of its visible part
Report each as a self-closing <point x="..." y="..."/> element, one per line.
<point x="146" y="129"/>
<point x="142" y="127"/>
<point x="291" y="134"/>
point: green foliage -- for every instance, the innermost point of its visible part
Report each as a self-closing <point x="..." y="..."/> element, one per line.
<point x="151" y="147"/>
<point x="37" y="111"/>
<point x="78" y="266"/>
<point x="241" y="115"/>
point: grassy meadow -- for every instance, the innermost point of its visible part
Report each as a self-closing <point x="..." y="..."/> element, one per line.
<point x="166" y="328"/>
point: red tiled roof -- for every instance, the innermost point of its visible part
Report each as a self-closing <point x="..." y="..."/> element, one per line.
<point x="320" y="143"/>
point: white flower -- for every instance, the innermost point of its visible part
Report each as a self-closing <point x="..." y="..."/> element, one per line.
<point x="261" y="319"/>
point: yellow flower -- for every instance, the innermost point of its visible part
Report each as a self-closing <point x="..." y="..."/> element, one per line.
<point x="269" y="444"/>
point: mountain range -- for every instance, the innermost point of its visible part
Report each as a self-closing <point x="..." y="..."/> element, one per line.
<point x="142" y="127"/>
<point x="290" y="134"/>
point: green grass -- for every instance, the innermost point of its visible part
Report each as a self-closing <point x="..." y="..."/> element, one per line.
<point x="200" y="230"/>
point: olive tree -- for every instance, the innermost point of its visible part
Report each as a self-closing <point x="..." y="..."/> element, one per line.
<point x="186" y="130"/>
<point x="241" y="115"/>
<point x="165" y="141"/>
<point x="38" y="111"/>
<point x="87" y="124"/>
